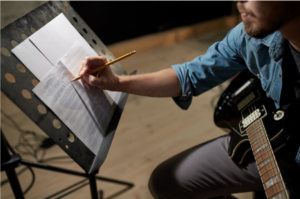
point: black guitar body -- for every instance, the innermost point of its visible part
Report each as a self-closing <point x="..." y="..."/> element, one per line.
<point x="242" y="97"/>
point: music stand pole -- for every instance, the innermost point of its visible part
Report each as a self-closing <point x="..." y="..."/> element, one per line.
<point x="8" y="163"/>
<point x="93" y="185"/>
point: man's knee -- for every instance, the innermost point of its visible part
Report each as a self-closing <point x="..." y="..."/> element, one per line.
<point x="162" y="182"/>
<point x="157" y="182"/>
<point x="166" y="182"/>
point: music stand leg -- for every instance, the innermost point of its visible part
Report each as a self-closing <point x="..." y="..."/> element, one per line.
<point x="10" y="172"/>
<point x="9" y="163"/>
<point x="14" y="183"/>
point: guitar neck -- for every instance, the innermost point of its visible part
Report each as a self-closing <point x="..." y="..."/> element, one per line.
<point x="267" y="165"/>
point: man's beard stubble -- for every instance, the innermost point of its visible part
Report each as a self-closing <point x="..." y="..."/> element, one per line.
<point x="271" y="21"/>
<point x="262" y="31"/>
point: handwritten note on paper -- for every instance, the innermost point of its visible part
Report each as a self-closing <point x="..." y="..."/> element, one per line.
<point x="56" y="91"/>
<point x="100" y="103"/>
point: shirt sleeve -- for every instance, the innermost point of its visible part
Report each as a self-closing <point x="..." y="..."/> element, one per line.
<point x="221" y="62"/>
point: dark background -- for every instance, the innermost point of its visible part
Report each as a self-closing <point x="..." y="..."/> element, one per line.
<point x="118" y="21"/>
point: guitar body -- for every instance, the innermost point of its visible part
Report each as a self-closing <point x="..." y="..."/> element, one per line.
<point x="241" y="98"/>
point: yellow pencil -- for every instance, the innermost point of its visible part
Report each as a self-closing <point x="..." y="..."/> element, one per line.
<point x="105" y="65"/>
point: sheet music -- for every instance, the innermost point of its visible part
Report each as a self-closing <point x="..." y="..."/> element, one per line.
<point x="59" y="40"/>
<point x="101" y="104"/>
<point x="56" y="91"/>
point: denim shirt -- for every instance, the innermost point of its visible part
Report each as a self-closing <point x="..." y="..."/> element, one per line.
<point x="224" y="59"/>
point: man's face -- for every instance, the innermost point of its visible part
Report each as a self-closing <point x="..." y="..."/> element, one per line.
<point x="261" y="18"/>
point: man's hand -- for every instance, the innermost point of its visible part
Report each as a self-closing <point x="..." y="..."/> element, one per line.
<point x="104" y="79"/>
<point x="163" y="83"/>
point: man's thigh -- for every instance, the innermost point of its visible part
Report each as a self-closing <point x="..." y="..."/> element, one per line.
<point x="204" y="171"/>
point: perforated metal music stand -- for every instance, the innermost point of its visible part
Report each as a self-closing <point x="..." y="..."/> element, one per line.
<point x="15" y="33"/>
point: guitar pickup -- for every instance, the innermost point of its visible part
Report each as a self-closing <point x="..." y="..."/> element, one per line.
<point x="255" y="115"/>
<point x="246" y="101"/>
<point x="242" y="88"/>
<point x="251" y="118"/>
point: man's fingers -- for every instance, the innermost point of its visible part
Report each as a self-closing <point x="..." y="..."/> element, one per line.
<point x="91" y="62"/>
<point x="87" y="65"/>
<point x="91" y="80"/>
<point x="82" y="70"/>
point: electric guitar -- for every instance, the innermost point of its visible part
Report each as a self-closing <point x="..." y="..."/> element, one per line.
<point x="254" y="123"/>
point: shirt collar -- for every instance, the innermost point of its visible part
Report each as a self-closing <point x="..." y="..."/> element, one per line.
<point x="275" y="42"/>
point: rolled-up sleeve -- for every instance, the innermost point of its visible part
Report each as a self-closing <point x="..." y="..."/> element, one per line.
<point x="221" y="62"/>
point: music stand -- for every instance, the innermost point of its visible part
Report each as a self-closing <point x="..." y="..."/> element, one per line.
<point x="24" y="81"/>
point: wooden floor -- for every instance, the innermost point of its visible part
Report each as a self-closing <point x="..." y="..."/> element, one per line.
<point x="150" y="131"/>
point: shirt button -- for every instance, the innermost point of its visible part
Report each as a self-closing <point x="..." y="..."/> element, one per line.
<point x="275" y="101"/>
<point x="258" y="75"/>
<point x="279" y="75"/>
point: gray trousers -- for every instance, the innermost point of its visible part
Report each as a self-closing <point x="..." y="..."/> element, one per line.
<point x="206" y="171"/>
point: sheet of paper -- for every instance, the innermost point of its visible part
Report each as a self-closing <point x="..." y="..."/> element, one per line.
<point x="56" y="38"/>
<point x="32" y="58"/>
<point x="42" y="50"/>
<point x="101" y="104"/>
<point x="56" y="91"/>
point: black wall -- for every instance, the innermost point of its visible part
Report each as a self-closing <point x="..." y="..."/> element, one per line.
<point x="117" y="21"/>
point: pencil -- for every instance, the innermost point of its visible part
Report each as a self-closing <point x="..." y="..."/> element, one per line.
<point x="105" y="65"/>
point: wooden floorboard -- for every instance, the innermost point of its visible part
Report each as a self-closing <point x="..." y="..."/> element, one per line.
<point x="150" y="131"/>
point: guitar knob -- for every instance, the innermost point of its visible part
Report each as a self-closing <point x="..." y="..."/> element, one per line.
<point x="278" y="115"/>
<point x="221" y="109"/>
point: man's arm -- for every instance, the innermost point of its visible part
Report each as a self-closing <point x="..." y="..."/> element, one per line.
<point x="221" y="61"/>
<point x="163" y="83"/>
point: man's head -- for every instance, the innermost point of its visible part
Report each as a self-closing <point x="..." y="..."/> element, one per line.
<point x="261" y="18"/>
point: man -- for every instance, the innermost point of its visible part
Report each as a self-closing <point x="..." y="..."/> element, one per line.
<point x="268" y="44"/>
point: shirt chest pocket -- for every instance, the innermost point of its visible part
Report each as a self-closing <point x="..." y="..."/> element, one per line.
<point x="259" y="63"/>
<point x="270" y="79"/>
<point x="264" y="83"/>
<point x="261" y="76"/>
